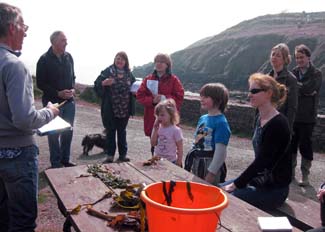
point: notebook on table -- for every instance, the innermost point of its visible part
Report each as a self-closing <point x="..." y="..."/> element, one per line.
<point x="279" y="224"/>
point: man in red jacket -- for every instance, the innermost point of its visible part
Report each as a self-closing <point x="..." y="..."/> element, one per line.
<point x="158" y="86"/>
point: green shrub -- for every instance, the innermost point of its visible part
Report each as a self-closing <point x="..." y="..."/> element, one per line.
<point x="89" y="95"/>
<point x="37" y="92"/>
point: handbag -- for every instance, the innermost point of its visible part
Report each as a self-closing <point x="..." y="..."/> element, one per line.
<point x="197" y="162"/>
<point x="265" y="178"/>
<point x="262" y="179"/>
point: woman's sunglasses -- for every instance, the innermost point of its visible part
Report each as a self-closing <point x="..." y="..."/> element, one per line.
<point x="255" y="91"/>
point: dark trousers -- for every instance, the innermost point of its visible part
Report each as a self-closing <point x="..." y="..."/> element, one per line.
<point x="302" y="139"/>
<point x="60" y="144"/>
<point x="18" y="191"/>
<point x="265" y="198"/>
<point x="117" y="126"/>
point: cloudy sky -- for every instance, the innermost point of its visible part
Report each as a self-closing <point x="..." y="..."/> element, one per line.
<point x="98" y="29"/>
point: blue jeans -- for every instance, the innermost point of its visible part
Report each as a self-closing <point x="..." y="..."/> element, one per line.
<point x="60" y="144"/>
<point x="264" y="198"/>
<point x="18" y="191"/>
<point x="119" y="126"/>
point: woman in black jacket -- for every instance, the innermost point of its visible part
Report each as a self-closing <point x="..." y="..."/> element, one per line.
<point x="118" y="104"/>
<point x="270" y="141"/>
<point x="280" y="59"/>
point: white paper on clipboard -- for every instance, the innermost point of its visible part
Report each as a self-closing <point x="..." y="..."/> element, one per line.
<point x="152" y="85"/>
<point x="57" y="125"/>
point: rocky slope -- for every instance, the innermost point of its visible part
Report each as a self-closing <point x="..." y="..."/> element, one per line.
<point x="231" y="56"/>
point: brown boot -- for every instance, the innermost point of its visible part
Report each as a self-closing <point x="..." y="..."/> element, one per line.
<point x="305" y="170"/>
<point x="304" y="181"/>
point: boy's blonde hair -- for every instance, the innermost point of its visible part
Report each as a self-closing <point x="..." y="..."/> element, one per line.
<point x="218" y="93"/>
<point x="170" y="106"/>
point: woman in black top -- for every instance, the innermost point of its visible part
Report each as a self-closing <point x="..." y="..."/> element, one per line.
<point x="270" y="140"/>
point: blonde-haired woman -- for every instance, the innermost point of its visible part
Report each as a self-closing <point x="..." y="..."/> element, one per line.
<point x="280" y="58"/>
<point x="270" y="141"/>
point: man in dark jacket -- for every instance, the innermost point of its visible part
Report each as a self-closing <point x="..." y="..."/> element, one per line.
<point x="55" y="77"/>
<point x="309" y="83"/>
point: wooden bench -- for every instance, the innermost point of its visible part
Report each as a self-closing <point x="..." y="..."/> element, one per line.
<point x="301" y="211"/>
<point x="71" y="191"/>
<point x="238" y="216"/>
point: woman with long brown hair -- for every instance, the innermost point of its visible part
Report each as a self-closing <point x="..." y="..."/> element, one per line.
<point x="118" y="104"/>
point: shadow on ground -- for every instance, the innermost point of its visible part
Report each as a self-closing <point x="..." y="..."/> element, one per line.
<point x="92" y="157"/>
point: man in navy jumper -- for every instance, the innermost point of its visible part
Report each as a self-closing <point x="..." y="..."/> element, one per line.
<point x="55" y="77"/>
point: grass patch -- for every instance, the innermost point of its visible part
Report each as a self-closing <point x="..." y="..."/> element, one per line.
<point x="42" y="181"/>
<point x="42" y="198"/>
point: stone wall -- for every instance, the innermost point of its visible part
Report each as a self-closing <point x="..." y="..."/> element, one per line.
<point x="239" y="116"/>
<point x="241" y="120"/>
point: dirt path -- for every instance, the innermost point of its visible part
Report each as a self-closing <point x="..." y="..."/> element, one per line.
<point x="88" y="121"/>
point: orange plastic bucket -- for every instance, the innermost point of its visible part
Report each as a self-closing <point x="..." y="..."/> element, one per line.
<point x="201" y="212"/>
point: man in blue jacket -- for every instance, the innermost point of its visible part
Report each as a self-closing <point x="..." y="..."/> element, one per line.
<point x="56" y="78"/>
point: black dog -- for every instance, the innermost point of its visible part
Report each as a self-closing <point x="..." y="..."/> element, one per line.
<point x="91" y="140"/>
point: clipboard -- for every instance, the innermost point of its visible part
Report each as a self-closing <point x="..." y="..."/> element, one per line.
<point x="57" y="125"/>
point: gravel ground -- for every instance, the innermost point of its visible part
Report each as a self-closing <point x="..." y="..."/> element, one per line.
<point x="88" y="121"/>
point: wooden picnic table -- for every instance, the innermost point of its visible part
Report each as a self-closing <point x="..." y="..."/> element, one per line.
<point x="71" y="190"/>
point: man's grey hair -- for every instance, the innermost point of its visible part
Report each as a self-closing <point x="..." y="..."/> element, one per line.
<point x="8" y="14"/>
<point x="55" y="35"/>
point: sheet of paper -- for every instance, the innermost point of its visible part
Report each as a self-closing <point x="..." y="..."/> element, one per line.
<point x="274" y="224"/>
<point x="135" y="86"/>
<point x="57" y="125"/>
<point x="152" y="85"/>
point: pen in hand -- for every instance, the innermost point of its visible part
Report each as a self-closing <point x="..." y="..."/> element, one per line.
<point x="57" y="105"/>
<point x="54" y="108"/>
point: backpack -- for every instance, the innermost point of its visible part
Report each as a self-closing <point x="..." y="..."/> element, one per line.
<point x="197" y="161"/>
